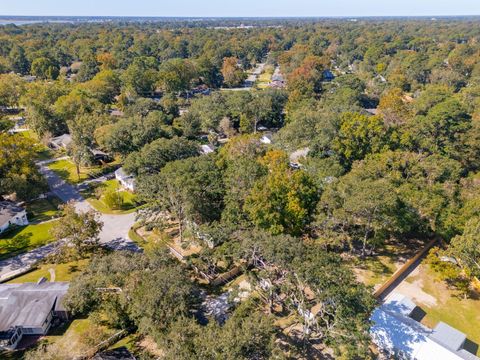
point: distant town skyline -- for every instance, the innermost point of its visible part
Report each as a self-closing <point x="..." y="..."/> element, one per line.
<point x="245" y="8"/>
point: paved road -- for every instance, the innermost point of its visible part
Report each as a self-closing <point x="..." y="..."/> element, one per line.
<point x="115" y="227"/>
<point x="114" y="233"/>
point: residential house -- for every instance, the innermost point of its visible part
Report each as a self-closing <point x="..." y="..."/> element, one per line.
<point x="29" y="309"/>
<point x="11" y="214"/>
<point x="207" y="149"/>
<point x="61" y="142"/>
<point x="126" y="180"/>
<point x="396" y="333"/>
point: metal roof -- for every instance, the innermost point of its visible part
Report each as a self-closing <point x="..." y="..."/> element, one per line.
<point x="394" y="332"/>
<point x="448" y="336"/>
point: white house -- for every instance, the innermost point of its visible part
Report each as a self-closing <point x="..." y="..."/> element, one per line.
<point x="207" y="149"/>
<point x="28" y="309"/>
<point x="126" y="180"/>
<point x="11" y="214"/>
<point x="397" y="334"/>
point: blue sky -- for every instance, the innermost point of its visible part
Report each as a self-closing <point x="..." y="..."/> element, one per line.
<point x="240" y="7"/>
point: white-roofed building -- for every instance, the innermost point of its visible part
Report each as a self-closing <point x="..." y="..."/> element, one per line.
<point x="126" y="180"/>
<point x="11" y="214"/>
<point x="397" y="334"/>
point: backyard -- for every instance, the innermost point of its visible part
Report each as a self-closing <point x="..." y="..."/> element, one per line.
<point x="442" y="303"/>
<point x="374" y="270"/>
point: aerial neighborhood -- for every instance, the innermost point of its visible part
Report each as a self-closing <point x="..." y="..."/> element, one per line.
<point x="239" y="188"/>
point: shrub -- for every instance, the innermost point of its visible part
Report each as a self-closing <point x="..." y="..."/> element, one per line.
<point x="113" y="199"/>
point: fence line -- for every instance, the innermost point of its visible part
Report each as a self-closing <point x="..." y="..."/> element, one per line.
<point x="383" y="290"/>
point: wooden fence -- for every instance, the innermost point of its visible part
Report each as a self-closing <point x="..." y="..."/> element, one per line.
<point x="401" y="273"/>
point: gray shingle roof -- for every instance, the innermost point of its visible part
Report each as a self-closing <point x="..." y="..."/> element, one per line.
<point x="29" y="304"/>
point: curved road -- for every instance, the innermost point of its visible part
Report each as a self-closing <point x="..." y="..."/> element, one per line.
<point x="114" y="233"/>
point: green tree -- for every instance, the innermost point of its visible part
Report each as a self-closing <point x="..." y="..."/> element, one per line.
<point x="18" y="172"/>
<point x="360" y="135"/>
<point x="155" y="155"/>
<point x="176" y="75"/>
<point x="284" y="200"/>
<point x="45" y="68"/>
<point x="81" y="230"/>
<point x="466" y="247"/>
<point x="191" y="190"/>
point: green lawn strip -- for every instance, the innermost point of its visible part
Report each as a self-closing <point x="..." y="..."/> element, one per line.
<point x="23" y="239"/>
<point x="43" y="209"/>
<point x="463" y="314"/>
<point x="265" y="77"/>
<point x="63" y="272"/>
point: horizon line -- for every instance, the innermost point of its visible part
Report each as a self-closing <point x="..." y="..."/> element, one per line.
<point x="239" y="17"/>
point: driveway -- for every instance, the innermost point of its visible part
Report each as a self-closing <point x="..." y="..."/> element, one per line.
<point x="114" y="233"/>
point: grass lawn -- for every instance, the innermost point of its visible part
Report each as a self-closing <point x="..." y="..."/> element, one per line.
<point x="129" y="199"/>
<point x="43" y="209"/>
<point x="25" y="238"/>
<point x="67" y="170"/>
<point x="129" y="341"/>
<point x="63" y="272"/>
<point x="462" y="314"/>
<point x="70" y="339"/>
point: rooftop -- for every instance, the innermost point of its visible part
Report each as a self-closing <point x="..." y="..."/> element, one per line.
<point x="394" y="331"/>
<point x="28" y="304"/>
<point x="8" y="210"/>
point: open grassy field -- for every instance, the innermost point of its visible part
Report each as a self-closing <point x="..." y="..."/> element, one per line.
<point x="63" y="272"/>
<point x="129" y="199"/>
<point x="442" y="303"/>
<point x="22" y="239"/>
